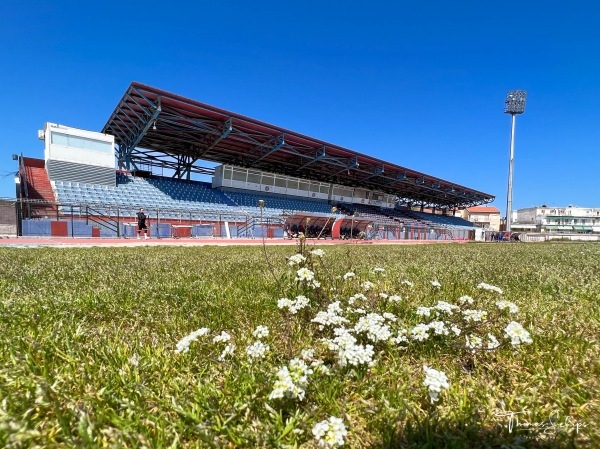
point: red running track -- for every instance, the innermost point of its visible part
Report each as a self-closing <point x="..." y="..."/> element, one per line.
<point x="66" y="242"/>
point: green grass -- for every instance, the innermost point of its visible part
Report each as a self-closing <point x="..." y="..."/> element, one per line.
<point x="87" y="348"/>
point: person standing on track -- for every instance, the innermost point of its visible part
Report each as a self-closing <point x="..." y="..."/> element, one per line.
<point x="141" y="217"/>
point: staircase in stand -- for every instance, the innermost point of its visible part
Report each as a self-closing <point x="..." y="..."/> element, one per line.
<point x="246" y="229"/>
<point x="39" y="188"/>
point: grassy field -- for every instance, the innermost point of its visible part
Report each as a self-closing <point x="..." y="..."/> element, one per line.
<point x="93" y="350"/>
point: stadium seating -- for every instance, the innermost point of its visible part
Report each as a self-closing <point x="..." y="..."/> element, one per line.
<point x="198" y="199"/>
<point x="443" y="220"/>
<point x="193" y="200"/>
<point x="387" y="216"/>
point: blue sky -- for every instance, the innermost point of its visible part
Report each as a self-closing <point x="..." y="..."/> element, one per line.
<point x="420" y="84"/>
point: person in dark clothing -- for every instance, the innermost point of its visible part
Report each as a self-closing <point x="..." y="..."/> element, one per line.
<point x="141" y="217"/>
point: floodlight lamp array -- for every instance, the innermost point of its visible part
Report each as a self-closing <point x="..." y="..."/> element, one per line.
<point x="515" y="102"/>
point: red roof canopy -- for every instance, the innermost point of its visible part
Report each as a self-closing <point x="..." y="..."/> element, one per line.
<point x="159" y="128"/>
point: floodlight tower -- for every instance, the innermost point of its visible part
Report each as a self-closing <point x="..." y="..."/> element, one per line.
<point x="514" y="104"/>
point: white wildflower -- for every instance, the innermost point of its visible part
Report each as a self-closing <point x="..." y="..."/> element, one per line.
<point x="184" y="344"/>
<point x="394" y="298"/>
<point x="383" y="295"/>
<point x="331" y="317"/>
<point x="390" y="316"/>
<point x="307" y="354"/>
<point x="436" y="284"/>
<point x="474" y="315"/>
<point x="330" y="434"/>
<point x="291" y="381"/>
<point x="284" y="303"/>
<point x="517" y="334"/>
<point x="465" y="299"/>
<point x="304" y="274"/>
<point x="420" y="332"/>
<point x="335" y="307"/>
<point x="439" y="327"/>
<point x="349" y="275"/>
<point x="257" y="350"/>
<point x="378" y="270"/>
<point x="511" y="306"/>
<point x="300" y="303"/>
<point x="455" y="329"/>
<point x="348" y="351"/>
<point x="400" y="338"/>
<point x="408" y="283"/>
<point x="222" y="337"/>
<point x="319" y="367"/>
<point x="493" y="342"/>
<point x="261" y="332"/>
<point x="423" y="311"/>
<point x="473" y="342"/>
<point x="296" y="259"/>
<point x="489" y="287"/>
<point x="436" y="381"/>
<point x="373" y="325"/>
<point x="226" y="352"/>
<point x="295" y="305"/>
<point x="134" y="360"/>
<point x="318" y="252"/>
<point x="367" y="285"/>
<point x="356" y="297"/>
<point x="446" y="307"/>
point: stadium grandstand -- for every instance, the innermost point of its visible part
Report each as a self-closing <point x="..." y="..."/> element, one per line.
<point x="259" y="180"/>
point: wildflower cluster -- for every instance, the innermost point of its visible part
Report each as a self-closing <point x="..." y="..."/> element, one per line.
<point x="317" y="252"/>
<point x="332" y="317"/>
<point x="258" y="349"/>
<point x="349" y="351"/>
<point x="221" y="338"/>
<point x="296" y="259"/>
<point x="511" y="306"/>
<point x="489" y="287"/>
<point x="435" y="381"/>
<point x="356" y="326"/>
<point x="183" y="345"/>
<point x="330" y="433"/>
<point x="448" y="319"/>
<point x="261" y="332"/>
<point x="291" y="380"/>
<point x="357" y="297"/>
<point x="307" y="276"/>
<point x="517" y="334"/>
<point x="374" y="326"/>
<point x="294" y="305"/>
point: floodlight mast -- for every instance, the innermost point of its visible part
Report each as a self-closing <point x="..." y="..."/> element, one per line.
<point x="514" y="104"/>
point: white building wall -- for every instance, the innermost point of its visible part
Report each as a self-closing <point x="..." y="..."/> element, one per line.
<point x="62" y="143"/>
